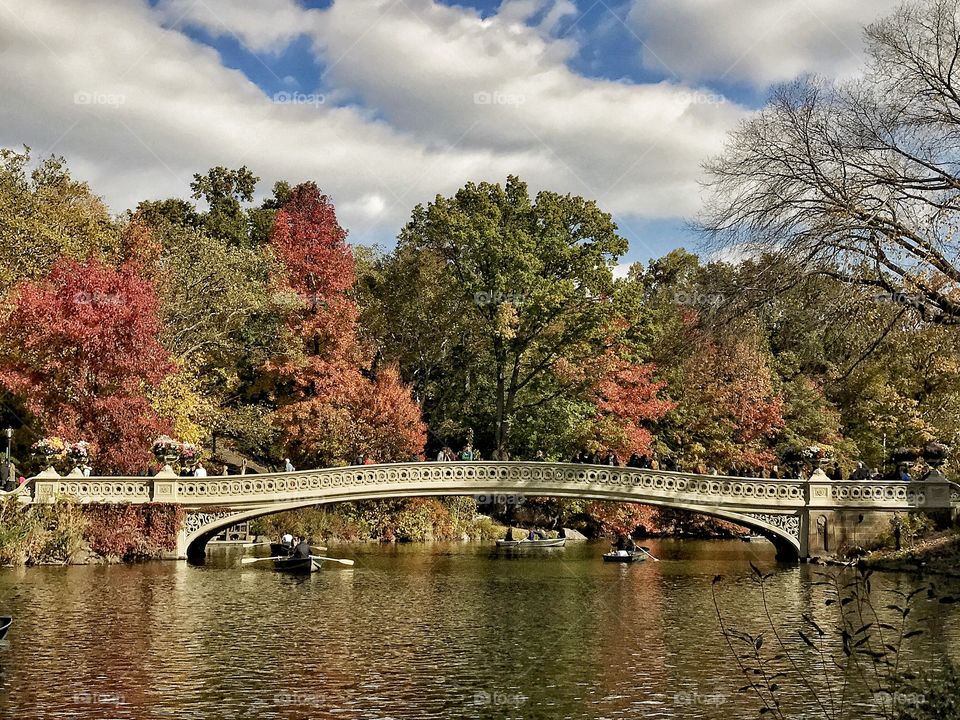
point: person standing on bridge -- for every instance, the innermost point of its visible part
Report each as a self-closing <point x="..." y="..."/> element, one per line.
<point x="200" y="471"/>
<point x="287" y="465"/>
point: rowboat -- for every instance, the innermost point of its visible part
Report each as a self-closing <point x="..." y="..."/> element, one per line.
<point x="752" y="538"/>
<point x="5" y="623"/>
<point x="622" y="556"/>
<point x="531" y="544"/>
<point x="303" y="566"/>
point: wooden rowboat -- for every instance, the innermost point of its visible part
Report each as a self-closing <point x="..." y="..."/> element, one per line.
<point x="303" y="566"/>
<point x="5" y="623"/>
<point x="624" y="557"/>
<point x="531" y="544"/>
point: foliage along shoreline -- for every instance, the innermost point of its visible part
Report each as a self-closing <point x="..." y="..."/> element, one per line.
<point x="496" y="324"/>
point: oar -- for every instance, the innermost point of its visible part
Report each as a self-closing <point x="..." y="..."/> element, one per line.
<point x="647" y="551"/>
<point x="336" y="560"/>
<point x="246" y="561"/>
<point x="250" y="545"/>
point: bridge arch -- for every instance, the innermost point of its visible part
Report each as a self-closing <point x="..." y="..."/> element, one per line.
<point x="783" y="530"/>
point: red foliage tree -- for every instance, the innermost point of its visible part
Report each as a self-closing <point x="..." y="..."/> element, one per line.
<point x="618" y="518"/>
<point x="328" y="409"/>
<point x="81" y="351"/>
<point x="728" y="409"/>
<point x="628" y="401"/>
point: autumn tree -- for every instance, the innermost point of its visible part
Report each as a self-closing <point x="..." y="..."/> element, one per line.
<point x="225" y="191"/>
<point x="82" y="351"/>
<point x="527" y="284"/>
<point x="331" y="405"/>
<point x="44" y="215"/>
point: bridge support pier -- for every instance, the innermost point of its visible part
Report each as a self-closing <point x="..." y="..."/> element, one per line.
<point x="833" y="531"/>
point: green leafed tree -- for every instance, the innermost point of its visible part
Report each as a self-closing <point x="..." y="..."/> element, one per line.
<point x="497" y="303"/>
<point x="45" y="214"/>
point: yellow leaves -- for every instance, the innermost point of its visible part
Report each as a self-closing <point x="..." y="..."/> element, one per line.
<point x="507" y="321"/>
<point x="177" y="400"/>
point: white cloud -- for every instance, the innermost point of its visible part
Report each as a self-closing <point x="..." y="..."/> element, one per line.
<point x="756" y="41"/>
<point x="446" y="97"/>
<point x="262" y="27"/>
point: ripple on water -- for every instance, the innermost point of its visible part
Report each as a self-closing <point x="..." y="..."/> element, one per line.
<point x="410" y="632"/>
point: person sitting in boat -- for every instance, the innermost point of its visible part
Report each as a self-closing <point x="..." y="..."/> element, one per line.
<point x="531" y="535"/>
<point x="621" y="543"/>
<point x="287" y="541"/>
<point x="630" y="546"/>
<point x="302" y="550"/>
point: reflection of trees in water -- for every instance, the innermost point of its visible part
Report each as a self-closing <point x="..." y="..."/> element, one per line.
<point x="417" y="630"/>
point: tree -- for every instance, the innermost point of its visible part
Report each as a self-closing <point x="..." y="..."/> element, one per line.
<point x="82" y="350"/>
<point x="330" y="405"/>
<point x="532" y="282"/>
<point x="628" y="403"/>
<point x="224" y="191"/>
<point x="45" y="215"/>
<point x="858" y="179"/>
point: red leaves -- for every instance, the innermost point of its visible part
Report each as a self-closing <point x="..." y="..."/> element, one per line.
<point x="627" y="399"/>
<point x="328" y="410"/>
<point x="618" y="518"/>
<point x="84" y="346"/>
<point x="133" y="531"/>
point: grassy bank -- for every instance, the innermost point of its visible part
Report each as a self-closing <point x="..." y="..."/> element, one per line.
<point x="69" y="533"/>
<point x="936" y="554"/>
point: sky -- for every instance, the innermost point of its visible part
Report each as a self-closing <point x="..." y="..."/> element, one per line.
<point x="388" y="103"/>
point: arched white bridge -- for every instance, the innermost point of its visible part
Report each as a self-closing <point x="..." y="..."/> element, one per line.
<point x="801" y="517"/>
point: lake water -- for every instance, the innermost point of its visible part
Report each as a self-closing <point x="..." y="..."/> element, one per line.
<point x="415" y="631"/>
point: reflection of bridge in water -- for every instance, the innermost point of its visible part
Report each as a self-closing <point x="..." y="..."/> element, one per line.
<point x="801" y="517"/>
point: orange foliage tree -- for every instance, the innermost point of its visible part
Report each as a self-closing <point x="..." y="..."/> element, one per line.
<point x="628" y="401"/>
<point x="331" y="406"/>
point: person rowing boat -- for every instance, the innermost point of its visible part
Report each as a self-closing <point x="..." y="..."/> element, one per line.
<point x="302" y="551"/>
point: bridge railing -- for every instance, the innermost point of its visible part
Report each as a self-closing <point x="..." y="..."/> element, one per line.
<point x="479" y="477"/>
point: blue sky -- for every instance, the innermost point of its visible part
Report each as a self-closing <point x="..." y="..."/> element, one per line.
<point x="386" y="103"/>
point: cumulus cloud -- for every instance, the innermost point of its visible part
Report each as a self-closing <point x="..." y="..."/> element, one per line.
<point x="259" y="27"/>
<point x="754" y="41"/>
<point x="440" y="96"/>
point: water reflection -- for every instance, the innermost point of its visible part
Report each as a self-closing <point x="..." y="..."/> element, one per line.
<point x="438" y="631"/>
